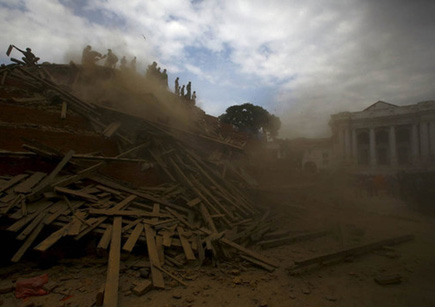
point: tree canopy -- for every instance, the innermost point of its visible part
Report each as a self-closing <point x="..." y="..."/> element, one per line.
<point x="250" y="118"/>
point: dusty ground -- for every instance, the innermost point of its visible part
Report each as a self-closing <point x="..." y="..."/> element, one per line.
<point x="305" y="203"/>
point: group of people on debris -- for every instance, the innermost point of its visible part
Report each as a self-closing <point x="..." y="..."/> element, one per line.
<point x="185" y="91"/>
<point x="91" y="57"/>
<point x="154" y="72"/>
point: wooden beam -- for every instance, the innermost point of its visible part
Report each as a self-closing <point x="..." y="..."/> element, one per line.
<point x="156" y="275"/>
<point x="30" y="239"/>
<point x="64" y="109"/>
<point x="248" y="252"/>
<point x="76" y="193"/>
<point x="105" y="239"/>
<point x="362" y="249"/>
<point x="12" y="182"/>
<point x="132" y="239"/>
<point x="186" y="244"/>
<point x="27" y="185"/>
<point x="293" y="239"/>
<point x="112" y="280"/>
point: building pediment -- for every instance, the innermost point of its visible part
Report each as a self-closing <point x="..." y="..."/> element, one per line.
<point x="380" y="106"/>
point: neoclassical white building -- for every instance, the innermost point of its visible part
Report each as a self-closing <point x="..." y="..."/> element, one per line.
<point x="385" y="137"/>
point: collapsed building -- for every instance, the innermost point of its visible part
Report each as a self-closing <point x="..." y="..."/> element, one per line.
<point x="143" y="169"/>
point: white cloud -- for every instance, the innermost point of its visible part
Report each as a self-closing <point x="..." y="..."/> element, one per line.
<point x="329" y="56"/>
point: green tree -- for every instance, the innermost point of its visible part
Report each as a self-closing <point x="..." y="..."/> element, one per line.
<point x="250" y="118"/>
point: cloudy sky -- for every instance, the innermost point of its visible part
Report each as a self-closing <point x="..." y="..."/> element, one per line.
<point x="300" y="60"/>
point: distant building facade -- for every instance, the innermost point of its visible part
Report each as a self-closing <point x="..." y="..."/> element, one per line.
<point x="385" y="137"/>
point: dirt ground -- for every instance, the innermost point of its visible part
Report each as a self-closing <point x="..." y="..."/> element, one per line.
<point x="299" y="203"/>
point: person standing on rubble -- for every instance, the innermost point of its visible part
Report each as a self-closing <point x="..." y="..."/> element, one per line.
<point x="165" y="78"/>
<point x="194" y="97"/>
<point x="111" y="59"/>
<point x="188" y="90"/>
<point x="177" y="87"/>
<point x="29" y="58"/>
<point x="123" y="65"/>
<point x="182" y="91"/>
<point x="133" y="64"/>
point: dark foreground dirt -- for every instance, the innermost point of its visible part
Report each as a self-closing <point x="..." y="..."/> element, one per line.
<point x="300" y="203"/>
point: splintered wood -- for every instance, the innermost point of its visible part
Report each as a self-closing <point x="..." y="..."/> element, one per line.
<point x="199" y="215"/>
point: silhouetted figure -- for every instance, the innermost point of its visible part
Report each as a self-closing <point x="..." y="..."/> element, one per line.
<point x="194" y="97"/>
<point x="182" y="91"/>
<point x="133" y="64"/>
<point x="111" y="59"/>
<point x="29" y="58"/>
<point x="188" y="90"/>
<point x="152" y="70"/>
<point x="165" y="78"/>
<point x="89" y="56"/>
<point x="123" y="65"/>
<point x="177" y="87"/>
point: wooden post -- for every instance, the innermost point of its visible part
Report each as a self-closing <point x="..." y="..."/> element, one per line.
<point x="112" y="280"/>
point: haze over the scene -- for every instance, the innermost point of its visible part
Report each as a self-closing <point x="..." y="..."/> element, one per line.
<point x="300" y="60"/>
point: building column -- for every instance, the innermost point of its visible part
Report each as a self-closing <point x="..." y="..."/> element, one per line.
<point x="372" y="147"/>
<point x="414" y="144"/>
<point x="432" y="137"/>
<point x="347" y="144"/>
<point x="354" y="147"/>
<point x="424" y="141"/>
<point x="392" y="143"/>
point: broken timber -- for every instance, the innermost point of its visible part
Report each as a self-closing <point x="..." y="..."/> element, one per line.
<point x="359" y="250"/>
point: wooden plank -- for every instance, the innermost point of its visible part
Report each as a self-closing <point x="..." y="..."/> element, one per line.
<point x="111" y="129"/>
<point x="112" y="280"/>
<point x="62" y="208"/>
<point x="45" y="183"/>
<point x="76" y="193"/>
<point x="130" y="225"/>
<point x="27" y="219"/>
<point x="77" y="223"/>
<point x="105" y="239"/>
<point x="207" y="218"/>
<point x="114" y="185"/>
<point x="123" y="204"/>
<point x="27" y="243"/>
<point x="180" y="218"/>
<point x="156" y="210"/>
<point x="52" y="239"/>
<point x="167" y="237"/>
<point x="248" y="252"/>
<point x="186" y="244"/>
<point x="172" y="276"/>
<point x="160" y="249"/>
<point x="27" y="185"/>
<point x="106" y="189"/>
<point x="293" y="239"/>
<point x="31" y="226"/>
<point x="265" y="266"/>
<point x="132" y="239"/>
<point x="13" y="182"/>
<point x="64" y="109"/>
<point x="351" y="251"/>
<point x="127" y="213"/>
<point x="157" y="277"/>
<point x="193" y="202"/>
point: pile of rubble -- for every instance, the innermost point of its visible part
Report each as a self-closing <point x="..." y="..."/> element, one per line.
<point x="199" y="212"/>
